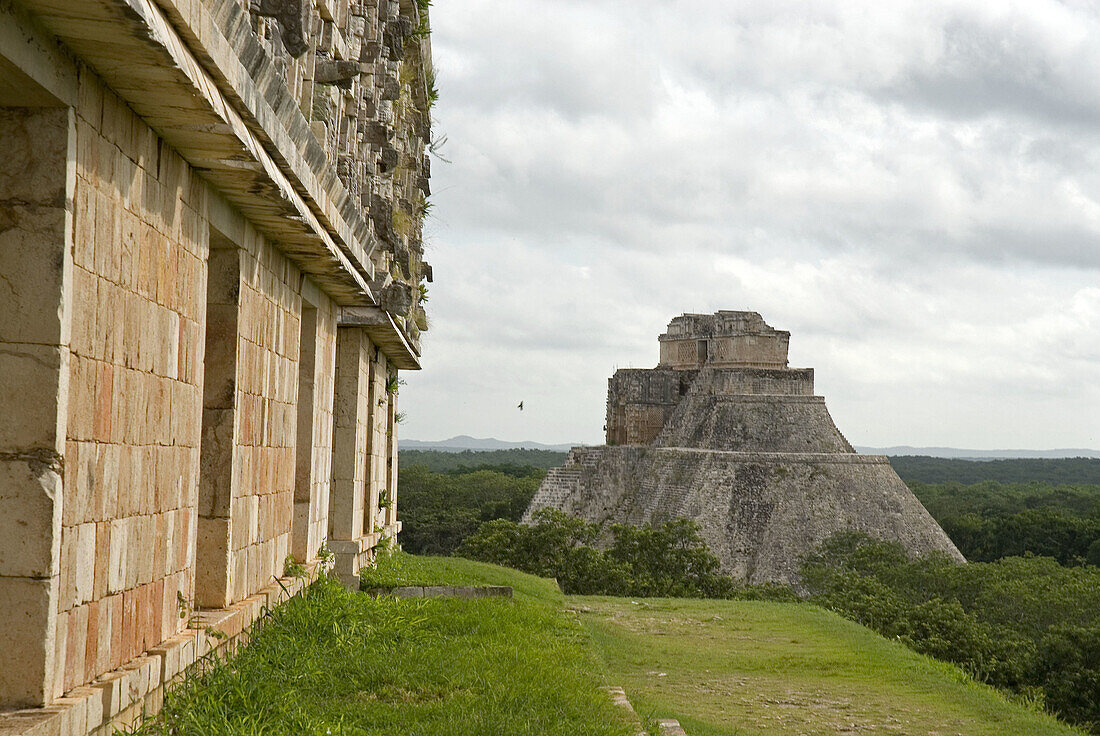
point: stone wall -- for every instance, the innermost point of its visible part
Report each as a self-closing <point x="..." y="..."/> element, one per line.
<point x="640" y="401"/>
<point x="261" y="498"/>
<point x="132" y="443"/>
<point x="209" y="265"/>
<point x="35" y="268"/>
<point x="759" y="382"/>
<point x="725" y="339"/>
<point x="593" y="484"/>
<point x="316" y="391"/>
<point x="362" y="445"/>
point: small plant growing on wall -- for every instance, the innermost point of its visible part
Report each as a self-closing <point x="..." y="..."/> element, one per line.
<point x="394" y="384"/>
<point x="326" y="558"/>
<point x="292" y="568"/>
<point x="424" y="208"/>
<point x="384" y="499"/>
<point x="424" y="29"/>
<point x="183" y="606"/>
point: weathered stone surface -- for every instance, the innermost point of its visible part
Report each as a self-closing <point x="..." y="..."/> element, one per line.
<point x="724" y="339"/>
<point x="27" y="639"/>
<point x="338" y="72"/>
<point x="294" y="19"/>
<point x="30" y="499"/>
<point x="396" y="298"/>
<point x="29" y="375"/>
<point x="747" y="452"/>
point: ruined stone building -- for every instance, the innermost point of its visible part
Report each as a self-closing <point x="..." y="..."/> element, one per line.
<point x="211" y="270"/>
<point x="723" y="432"/>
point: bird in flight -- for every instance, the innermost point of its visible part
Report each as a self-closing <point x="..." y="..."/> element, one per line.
<point x="520" y="407"/>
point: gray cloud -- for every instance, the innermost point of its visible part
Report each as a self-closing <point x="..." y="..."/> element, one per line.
<point x="913" y="189"/>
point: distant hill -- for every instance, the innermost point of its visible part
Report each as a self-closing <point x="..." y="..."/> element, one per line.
<point x="954" y="452"/>
<point x="466" y="442"/>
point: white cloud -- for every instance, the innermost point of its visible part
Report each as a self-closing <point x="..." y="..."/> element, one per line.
<point x="911" y="188"/>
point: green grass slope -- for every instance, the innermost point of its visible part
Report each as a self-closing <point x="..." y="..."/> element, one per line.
<point x="339" y="663"/>
<point x="747" y="668"/>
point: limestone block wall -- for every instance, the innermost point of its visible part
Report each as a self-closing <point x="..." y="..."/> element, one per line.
<point x="388" y="514"/>
<point x="379" y="432"/>
<point x="350" y="467"/>
<point x="313" y="463"/>
<point x="267" y="390"/>
<point x="179" y="252"/>
<point x="751" y="350"/>
<point x="723" y="339"/>
<point x="759" y="512"/>
<point x="594" y="483"/>
<point x="767" y="351"/>
<point x="35" y="278"/>
<point x="118" y="563"/>
<point x="639" y="401"/>
<point x="760" y="381"/>
<point x="139" y="254"/>
<point x="363" y="447"/>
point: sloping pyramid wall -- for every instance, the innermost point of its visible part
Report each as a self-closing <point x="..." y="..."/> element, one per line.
<point x="767" y="477"/>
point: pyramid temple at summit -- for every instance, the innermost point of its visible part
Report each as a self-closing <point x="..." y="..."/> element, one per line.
<point x="722" y="431"/>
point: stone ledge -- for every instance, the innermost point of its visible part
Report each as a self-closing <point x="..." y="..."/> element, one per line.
<point x="763" y="398"/>
<point x="819" y="458"/>
<point x="120" y="698"/>
<point x="384" y="332"/>
<point x="442" y="591"/>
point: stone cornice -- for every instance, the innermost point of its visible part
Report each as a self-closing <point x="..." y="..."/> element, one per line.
<point x="384" y="333"/>
<point x="235" y="141"/>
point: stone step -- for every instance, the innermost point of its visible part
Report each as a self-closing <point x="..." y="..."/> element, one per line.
<point x="670" y="727"/>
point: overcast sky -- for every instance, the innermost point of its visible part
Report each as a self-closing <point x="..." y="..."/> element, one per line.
<point x="912" y="189"/>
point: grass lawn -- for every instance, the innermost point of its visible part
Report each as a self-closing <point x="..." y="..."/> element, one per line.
<point x="339" y="662"/>
<point x="746" y="667"/>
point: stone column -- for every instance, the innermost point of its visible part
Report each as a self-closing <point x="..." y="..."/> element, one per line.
<point x="390" y="516"/>
<point x="349" y="452"/>
<point x="306" y="422"/>
<point x="37" y="177"/>
<point x="213" y="567"/>
<point x="377" y="439"/>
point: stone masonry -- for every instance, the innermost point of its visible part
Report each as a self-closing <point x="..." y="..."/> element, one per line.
<point x="211" y="272"/>
<point x="723" y="432"/>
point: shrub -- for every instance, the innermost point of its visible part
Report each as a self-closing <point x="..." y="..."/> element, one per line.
<point x="668" y="559"/>
<point x="1026" y="624"/>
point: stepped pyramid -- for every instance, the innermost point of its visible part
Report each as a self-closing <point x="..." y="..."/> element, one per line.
<point x="722" y="431"/>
